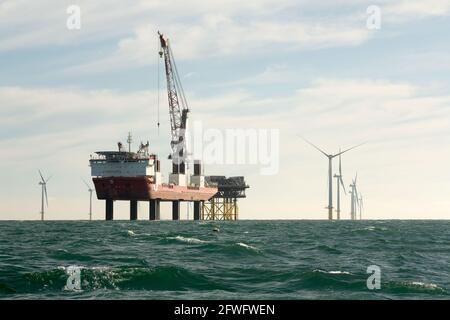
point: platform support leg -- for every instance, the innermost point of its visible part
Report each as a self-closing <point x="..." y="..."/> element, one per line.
<point x="154" y="209"/>
<point x="176" y="210"/>
<point x="197" y="205"/>
<point x="133" y="209"/>
<point x="109" y="209"/>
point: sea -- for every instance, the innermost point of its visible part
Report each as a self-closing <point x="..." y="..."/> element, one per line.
<point x="273" y="259"/>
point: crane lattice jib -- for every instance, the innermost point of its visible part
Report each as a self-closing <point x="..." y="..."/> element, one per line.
<point x="177" y="102"/>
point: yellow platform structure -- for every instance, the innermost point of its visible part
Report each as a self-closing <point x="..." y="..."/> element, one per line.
<point x="224" y="204"/>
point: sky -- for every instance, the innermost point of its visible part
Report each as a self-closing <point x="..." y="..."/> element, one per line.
<point x="297" y="67"/>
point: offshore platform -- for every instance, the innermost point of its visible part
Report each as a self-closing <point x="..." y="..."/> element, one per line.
<point x="123" y="175"/>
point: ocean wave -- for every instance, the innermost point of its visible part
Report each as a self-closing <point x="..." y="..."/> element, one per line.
<point x="70" y="255"/>
<point x="328" y="249"/>
<point x="431" y="286"/>
<point x="187" y="239"/>
<point x="131" y="233"/>
<point x="247" y="246"/>
<point x="166" y="278"/>
<point x="289" y="259"/>
<point x="415" y="287"/>
<point x="332" y="272"/>
<point x="318" y="279"/>
<point x="371" y="228"/>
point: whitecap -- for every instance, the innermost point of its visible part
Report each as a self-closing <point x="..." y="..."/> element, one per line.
<point x="338" y="272"/>
<point x="319" y="270"/>
<point x="67" y="268"/>
<point x="331" y="272"/>
<point x="187" y="240"/>
<point x="247" y="246"/>
<point x="372" y="228"/>
<point x="425" y="285"/>
<point x="131" y="233"/>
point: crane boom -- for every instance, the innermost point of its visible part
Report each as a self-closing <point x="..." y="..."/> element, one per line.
<point x="178" y="108"/>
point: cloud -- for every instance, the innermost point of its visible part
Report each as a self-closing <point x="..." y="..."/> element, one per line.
<point x="272" y="74"/>
<point x="224" y="27"/>
<point x="372" y="108"/>
<point x="217" y="35"/>
<point x="22" y="26"/>
<point x="30" y="118"/>
<point x="41" y="103"/>
<point x="198" y="29"/>
<point x="409" y="9"/>
<point x="336" y="102"/>
<point x="219" y="31"/>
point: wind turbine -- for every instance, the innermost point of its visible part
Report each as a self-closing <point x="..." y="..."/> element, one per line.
<point x="330" y="175"/>
<point x="90" y="190"/>
<point x="43" y="184"/>
<point x="354" y="198"/>
<point x="339" y="183"/>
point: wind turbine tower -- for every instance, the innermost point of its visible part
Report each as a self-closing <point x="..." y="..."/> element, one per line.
<point x="90" y="190"/>
<point x="43" y="184"/>
<point x="339" y="183"/>
<point x="330" y="175"/>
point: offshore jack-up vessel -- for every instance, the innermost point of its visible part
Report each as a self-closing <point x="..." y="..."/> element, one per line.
<point x="136" y="176"/>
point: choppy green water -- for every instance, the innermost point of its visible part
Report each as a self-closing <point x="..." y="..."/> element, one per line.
<point x="245" y="260"/>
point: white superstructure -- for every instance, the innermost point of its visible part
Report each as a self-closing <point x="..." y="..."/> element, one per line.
<point x="122" y="164"/>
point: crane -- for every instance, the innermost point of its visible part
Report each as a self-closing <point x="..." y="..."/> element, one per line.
<point x="178" y="107"/>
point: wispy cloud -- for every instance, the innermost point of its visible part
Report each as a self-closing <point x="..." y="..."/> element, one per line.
<point x="220" y="26"/>
<point x="217" y="35"/>
<point x="403" y="10"/>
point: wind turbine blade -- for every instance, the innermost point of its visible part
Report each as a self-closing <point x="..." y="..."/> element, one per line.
<point x="42" y="178"/>
<point x="316" y="147"/>
<point x="45" y="192"/>
<point x="342" y="183"/>
<point x="48" y="179"/>
<point x="340" y="166"/>
<point x="338" y="154"/>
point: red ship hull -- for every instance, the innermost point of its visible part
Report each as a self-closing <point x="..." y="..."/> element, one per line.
<point x="143" y="189"/>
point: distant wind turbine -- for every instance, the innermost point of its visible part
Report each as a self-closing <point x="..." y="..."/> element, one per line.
<point x="339" y="183"/>
<point x="90" y="190"/>
<point x="330" y="175"/>
<point x="43" y="184"/>
<point x="354" y="198"/>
